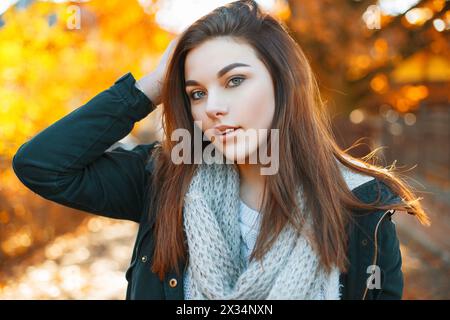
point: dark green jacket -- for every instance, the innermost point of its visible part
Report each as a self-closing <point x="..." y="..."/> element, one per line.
<point x="71" y="162"/>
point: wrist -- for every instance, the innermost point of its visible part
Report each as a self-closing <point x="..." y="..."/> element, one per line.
<point x="150" y="85"/>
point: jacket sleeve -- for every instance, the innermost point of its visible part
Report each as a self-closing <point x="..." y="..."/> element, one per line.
<point x="390" y="263"/>
<point x="69" y="162"/>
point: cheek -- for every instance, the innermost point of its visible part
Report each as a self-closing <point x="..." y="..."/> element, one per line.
<point x="195" y="114"/>
<point x="258" y="112"/>
<point x="199" y="115"/>
<point x="257" y="104"/>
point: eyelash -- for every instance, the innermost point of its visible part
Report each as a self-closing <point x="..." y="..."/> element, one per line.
<point x="237" y="77"/>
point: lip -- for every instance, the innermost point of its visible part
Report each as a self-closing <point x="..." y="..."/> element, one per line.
<point x="229" y="136"/>
<point x="222" y="127"/>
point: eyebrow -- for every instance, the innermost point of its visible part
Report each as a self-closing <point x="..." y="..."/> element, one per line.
<point x="221" y="72"/>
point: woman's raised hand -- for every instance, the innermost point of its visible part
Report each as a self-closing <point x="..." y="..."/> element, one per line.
<point x="151" y="83"/>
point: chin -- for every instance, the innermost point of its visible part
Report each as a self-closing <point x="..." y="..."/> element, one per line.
<point x="239" y="153"/>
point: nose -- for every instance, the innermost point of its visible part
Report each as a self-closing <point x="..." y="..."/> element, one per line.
<point x="216" y="108"/>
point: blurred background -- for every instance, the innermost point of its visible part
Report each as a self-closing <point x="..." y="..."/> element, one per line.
<point x="383" y="68"/>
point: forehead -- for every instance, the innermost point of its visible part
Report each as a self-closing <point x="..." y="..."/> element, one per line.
<point x="214" y="54"/>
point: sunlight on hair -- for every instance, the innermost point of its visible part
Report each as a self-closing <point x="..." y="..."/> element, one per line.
<point x="176" y="15"/>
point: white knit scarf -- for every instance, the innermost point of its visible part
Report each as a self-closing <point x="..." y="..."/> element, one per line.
<point x="217" y="268"/>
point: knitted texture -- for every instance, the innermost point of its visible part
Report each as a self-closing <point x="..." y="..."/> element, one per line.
<point x="249" y="222"/>
<point x="217" y="267"/>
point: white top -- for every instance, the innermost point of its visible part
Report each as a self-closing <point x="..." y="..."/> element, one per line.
<point x="249" y="220"/>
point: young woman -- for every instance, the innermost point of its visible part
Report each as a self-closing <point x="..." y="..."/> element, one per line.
<point x="319" y="227"/>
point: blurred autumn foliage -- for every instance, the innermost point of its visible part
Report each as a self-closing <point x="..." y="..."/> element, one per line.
<point x="364" y="56"/>
<point x="47" y="70"/>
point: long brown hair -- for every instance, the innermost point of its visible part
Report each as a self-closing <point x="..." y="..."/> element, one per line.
<point x="307" y="148"/>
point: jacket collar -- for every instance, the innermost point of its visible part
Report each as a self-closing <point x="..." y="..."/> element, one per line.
<point x="371" y="190"/>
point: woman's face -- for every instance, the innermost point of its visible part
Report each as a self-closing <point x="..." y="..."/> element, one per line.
<point x="240" y="98"/>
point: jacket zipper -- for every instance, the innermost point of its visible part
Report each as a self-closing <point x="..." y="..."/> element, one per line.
<point x="374" y="261"/>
